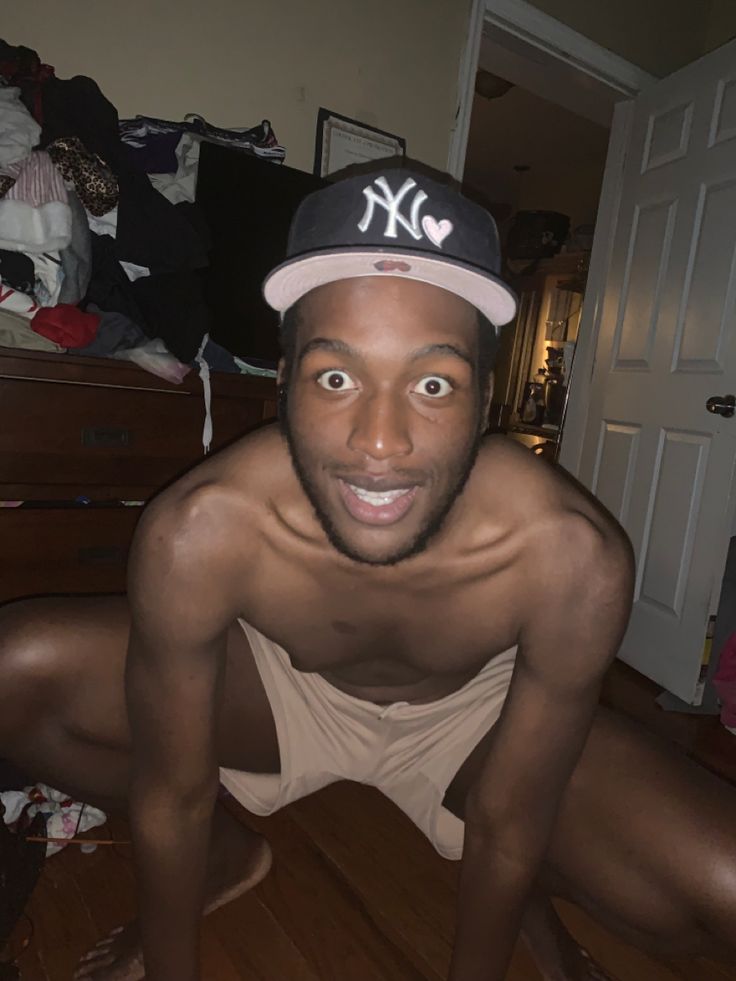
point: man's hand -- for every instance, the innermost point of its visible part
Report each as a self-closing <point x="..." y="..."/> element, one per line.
<point x="586" y="576"/>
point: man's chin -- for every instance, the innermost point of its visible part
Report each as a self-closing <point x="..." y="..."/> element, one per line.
<point x="376" y="552"/>
<point x="377" y="558"/>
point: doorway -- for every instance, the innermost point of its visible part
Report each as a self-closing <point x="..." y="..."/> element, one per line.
<point x="536" y="152"/>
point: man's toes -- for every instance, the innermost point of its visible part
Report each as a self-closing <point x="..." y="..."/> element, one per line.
<point x="101" y="950"/>
<point x="100" y="956"/>
<point x="90" y="965"/>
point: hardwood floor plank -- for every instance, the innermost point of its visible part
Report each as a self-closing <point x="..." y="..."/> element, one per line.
<point x="219" y="960"/>
<point x="63" y="929"/>
<point x="108" y="908"/>
<point x="390" y="866"/>
<point x="27" y="958"/>
<point x="256" y="942"/>
<point x="326" y="920"/>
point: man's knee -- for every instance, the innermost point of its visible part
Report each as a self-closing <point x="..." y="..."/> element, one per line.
<point x="31" y="667"/>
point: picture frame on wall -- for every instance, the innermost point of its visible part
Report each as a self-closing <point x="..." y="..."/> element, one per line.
<point x="341" y="141"/>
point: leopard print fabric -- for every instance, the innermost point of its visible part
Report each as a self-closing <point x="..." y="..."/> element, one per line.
<point x="93" y="180"/>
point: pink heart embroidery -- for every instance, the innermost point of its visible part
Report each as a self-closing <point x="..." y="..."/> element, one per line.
<point x="436" y="231"/>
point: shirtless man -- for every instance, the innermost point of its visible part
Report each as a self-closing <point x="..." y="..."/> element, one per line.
<point x="356" y="594"/>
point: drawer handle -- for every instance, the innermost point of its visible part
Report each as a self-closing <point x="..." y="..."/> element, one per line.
<point x="101" y="436"/>
<point x="102" y="555"/>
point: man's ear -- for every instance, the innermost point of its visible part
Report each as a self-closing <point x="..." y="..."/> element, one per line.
<point x="281" y="373"/>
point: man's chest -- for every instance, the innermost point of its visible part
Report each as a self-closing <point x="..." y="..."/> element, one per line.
<point x="326" y="625"/>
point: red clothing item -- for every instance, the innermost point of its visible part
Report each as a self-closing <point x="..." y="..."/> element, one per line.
<point x="66" y="325"/>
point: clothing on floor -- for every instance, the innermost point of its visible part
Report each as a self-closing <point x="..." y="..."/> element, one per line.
<point x="76" y="258"/>
<point x="180" y="184"/>
<point x="22" y="67"/>
<point x="65" y="818"/>
<point x="66" y="325"/>
<point x="142" y="232"/>
<point x="49" y="277"/>
<point x="16" y="302"/>
<point x="724" y="681"/>
<point x="16" y="271"/>
<point x="116" y="332"/>
<point x="136" y="133"/>
<point x="19" y="131"/>
<point x="34" y="214"/>
<point x="217" y="357"/>
<point x="15" y="331"/>
<point x="94" y="182"/>
<point x="174" y="309"/>
<point x="154" y="356"/>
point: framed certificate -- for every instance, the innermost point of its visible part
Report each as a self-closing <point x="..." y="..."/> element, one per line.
<point x="342" y="141"/>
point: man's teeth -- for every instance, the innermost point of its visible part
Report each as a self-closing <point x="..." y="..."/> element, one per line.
<point x="378" y="498"/>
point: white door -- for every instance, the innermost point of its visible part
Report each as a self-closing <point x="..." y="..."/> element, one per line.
<point x="666" y="344"/>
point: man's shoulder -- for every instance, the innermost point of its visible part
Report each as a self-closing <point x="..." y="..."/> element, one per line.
<point x="547" y="508"/>
<point x="222" y="502"/>
<point x="510" y="480"/>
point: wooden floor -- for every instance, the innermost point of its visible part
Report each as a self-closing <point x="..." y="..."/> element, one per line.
<point x="356" y="893"/>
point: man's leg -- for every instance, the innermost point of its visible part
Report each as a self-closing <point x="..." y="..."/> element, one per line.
<point x="63" y="721"/>
<point x="645" y="840"/>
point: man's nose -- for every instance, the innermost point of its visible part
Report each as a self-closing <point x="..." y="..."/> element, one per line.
<point x="381" y="427"/>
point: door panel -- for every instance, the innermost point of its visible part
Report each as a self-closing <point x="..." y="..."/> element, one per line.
<point x="667" y="342"/>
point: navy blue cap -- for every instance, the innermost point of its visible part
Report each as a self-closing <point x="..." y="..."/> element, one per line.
<point x="394" y="222"/>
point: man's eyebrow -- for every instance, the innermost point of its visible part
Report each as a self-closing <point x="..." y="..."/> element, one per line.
<point x="340" y="347"/>
<point x="450" y="349"/>
<point x="327" y="344"/>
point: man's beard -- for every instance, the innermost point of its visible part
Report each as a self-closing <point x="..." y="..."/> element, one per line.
<point x="434" y="521"/>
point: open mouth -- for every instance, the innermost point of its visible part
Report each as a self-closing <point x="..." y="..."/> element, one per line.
<point x="376" y="507"/>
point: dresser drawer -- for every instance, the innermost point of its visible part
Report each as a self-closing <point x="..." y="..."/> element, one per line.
<point x="64" y="550"/>
<point x="61" y="439"/>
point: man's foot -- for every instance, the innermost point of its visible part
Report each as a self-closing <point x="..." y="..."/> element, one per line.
<point x="240" y="859"/>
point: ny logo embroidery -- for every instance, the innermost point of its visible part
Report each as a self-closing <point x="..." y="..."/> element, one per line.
<point x="391" y="203"/>
<point x="436" y="231"/>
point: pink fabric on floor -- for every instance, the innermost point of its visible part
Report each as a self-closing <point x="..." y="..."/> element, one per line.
<point x="725" y="682"/>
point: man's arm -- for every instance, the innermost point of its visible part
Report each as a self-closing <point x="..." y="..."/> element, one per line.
<point x="567" y="642"/>
<point x="181" y="608"/>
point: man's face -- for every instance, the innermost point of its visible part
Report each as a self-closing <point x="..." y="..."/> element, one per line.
<point x="383" y="412"/>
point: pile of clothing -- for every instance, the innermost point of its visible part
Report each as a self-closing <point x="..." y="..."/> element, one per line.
<point x="65" y="818"/>
<point x="102" y="246"/>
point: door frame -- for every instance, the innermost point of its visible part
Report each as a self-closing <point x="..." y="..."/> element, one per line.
<point x="524" y="21"/>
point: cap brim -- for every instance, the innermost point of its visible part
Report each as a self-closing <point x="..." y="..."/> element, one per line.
<point x="294" y="278"/>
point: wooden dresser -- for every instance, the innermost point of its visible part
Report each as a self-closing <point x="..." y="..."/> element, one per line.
<point x="107" y="432"/>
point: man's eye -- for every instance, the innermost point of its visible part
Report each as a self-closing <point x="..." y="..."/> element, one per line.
<point x="434" y="386"/>
<point x="336" y="381"/>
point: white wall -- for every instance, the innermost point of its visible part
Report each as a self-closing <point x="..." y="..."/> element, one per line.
<point x="389" y="63"/>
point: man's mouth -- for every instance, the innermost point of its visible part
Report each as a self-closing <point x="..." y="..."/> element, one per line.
<point x="376" y="507"/>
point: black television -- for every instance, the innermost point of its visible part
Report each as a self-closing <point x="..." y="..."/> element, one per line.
<point x="248" y="204"/>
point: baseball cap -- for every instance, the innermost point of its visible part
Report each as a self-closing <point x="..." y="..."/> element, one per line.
<point x="393" y="222"/>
